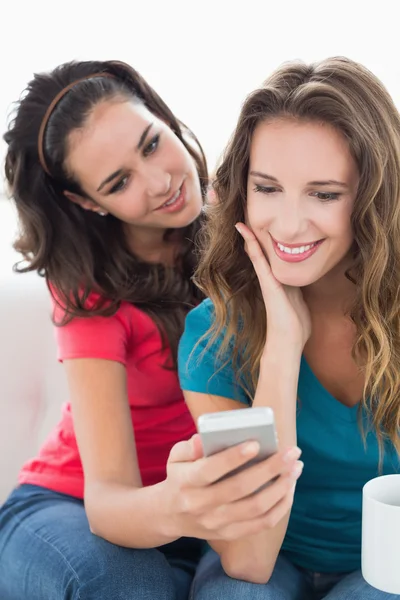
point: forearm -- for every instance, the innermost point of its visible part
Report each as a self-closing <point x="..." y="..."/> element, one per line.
<point x="277" y="388"/>
<point x="127" y="516"/>
<point x="253" y="558"/>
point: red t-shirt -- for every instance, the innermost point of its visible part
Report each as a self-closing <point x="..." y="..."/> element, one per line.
<point x="159" y="414"/>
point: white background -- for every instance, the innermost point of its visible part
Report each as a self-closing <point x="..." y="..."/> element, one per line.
<point x="202" y="57"/>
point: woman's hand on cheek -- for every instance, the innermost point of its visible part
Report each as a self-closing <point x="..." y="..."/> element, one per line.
<point x="287" y="314"/>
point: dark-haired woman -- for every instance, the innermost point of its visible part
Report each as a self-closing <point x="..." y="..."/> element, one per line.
<point x="109" y="188"/>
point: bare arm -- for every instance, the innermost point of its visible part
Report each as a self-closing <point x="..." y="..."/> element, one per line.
<point x="119" y="508"/>
<point x="253" y="557"/>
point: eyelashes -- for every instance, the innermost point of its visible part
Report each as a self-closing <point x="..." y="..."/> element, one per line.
<point x="327" y="196"/>
<point x="322" y="196"/>
<point x="265" y="189"/>
<point x="120" y="185"/>
<point x="151" y="146"/>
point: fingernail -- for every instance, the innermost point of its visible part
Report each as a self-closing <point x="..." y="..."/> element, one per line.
<point x="297" y="469"/>
<point x="251" y="449"/>
<point x="292" y="454"/>
<point x="237" y="227"/>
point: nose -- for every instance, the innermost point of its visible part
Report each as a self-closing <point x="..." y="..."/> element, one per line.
<point x="291" y="221"/>
<point x="158" y="182"/>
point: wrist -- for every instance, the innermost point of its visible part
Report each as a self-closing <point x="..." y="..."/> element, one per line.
<point x="278" y="377"/>
<point x="281" y="351"/>
<point x="164" y="509"/>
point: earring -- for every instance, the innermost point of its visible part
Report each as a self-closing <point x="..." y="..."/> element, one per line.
<point x="101" y="213"/>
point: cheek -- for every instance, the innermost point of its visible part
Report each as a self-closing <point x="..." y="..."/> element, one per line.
<point x="340" y="224"/>
<point x="175" y="155"/>
<point x="258" y="215"/>
<point x="129" y="207"/>
<point x="136" y="207"/>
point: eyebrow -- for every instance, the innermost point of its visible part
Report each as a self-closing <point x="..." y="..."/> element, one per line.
<point x="120" y="171"/>
<point x="143" y="136"/>
<point x="319" y="183"/>
<point x="329" y="182"/>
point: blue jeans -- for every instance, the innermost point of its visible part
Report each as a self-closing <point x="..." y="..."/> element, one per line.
<point x="47" y="552"/>
<point x="287" y="583"/>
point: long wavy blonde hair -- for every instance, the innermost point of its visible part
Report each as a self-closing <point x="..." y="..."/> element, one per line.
<point x="346" y="95"/>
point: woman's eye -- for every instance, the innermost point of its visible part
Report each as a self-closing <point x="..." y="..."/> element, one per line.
<point x="120" y="185"/>
<point x="151" y="146"/>
<point x="326" y="196"/>
<point x="265" y="189"/>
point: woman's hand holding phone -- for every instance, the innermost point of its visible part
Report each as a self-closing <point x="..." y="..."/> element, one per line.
<point x="203" y="502"/>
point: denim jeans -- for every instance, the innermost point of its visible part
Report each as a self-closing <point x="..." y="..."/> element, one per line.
<point x="47" y="552"/>
<point x="287" y="583"/>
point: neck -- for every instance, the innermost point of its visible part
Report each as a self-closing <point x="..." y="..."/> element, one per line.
<point x="150" y="245"/>
<point x="333" y="294"/>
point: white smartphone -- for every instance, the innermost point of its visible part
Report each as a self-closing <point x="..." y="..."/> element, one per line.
<point x="221" y="430"/>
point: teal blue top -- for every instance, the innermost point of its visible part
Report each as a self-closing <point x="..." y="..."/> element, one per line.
<point x="324" y="532"/>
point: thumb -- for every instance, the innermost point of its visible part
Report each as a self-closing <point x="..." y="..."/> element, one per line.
<point x="187" y="451"/>
<point x="197" y="446"/>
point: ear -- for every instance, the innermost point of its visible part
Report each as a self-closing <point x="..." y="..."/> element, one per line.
<point x="84" y="203"/>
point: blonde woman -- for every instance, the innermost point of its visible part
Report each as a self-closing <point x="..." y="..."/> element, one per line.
<point x="301" y="264"/>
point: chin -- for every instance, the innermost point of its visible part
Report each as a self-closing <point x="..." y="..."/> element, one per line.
<point x="188" y="216"/>
<point x="292" y="278"/>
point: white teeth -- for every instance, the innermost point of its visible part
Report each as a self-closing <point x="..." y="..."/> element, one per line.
<point x="298" y="250"/>
<point x="173" y="199"/>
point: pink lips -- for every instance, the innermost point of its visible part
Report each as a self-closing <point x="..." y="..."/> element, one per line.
<point x="292" y="258"/>
<point x="177" y="205"/>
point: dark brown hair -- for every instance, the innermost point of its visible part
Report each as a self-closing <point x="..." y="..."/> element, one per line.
<point x="78" y="251"/>
<point x="346" y="95"/>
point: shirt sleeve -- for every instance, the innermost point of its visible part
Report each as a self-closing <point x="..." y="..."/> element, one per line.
<point x="200" y="367"/>
<point x="94" y="337"/>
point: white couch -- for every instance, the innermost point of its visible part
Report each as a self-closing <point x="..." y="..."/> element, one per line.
<point x="32" y="383"/>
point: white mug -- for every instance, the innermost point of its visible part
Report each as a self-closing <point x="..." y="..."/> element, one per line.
<point x="381" y="533"/>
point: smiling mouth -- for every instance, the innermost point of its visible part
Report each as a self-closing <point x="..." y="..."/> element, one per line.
<point x="295" y="253"/>
<point x="172" y="200"/>
<point x="296" y="249"/>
